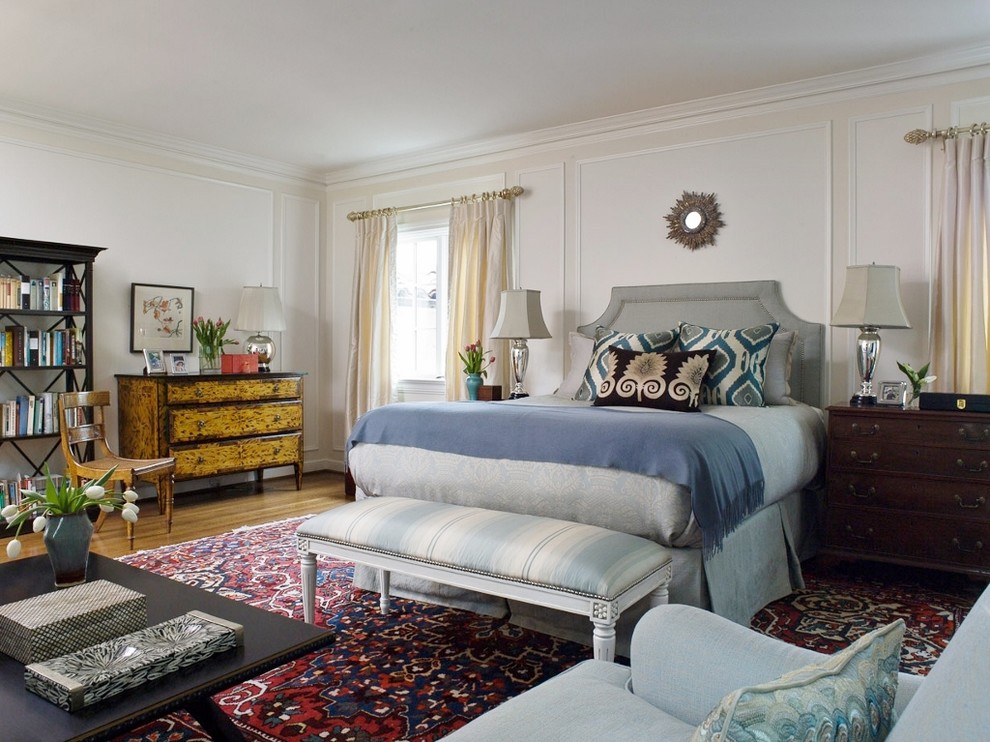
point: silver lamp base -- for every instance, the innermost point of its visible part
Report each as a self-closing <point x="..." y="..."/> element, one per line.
<point x="519" y="358"/>
<point x="263" y="347"/>
<point x="867" y="355"/>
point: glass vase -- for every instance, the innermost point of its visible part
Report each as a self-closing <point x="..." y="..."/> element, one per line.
<point x="209" y="360"/>
<point x="67" y="539"/>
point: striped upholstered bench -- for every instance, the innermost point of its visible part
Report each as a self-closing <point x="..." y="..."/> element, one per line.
<point x="577" y="568"/>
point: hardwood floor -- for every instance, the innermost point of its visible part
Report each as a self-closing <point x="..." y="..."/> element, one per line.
<point x="207" y="513"/>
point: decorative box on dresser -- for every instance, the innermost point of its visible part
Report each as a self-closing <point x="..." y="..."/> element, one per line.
<point x="213" y="424"/>
<point x="910" y="487"/>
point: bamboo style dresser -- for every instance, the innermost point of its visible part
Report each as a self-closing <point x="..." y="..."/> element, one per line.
<point x="910" y="486"/>
<point x="213" y="424"/>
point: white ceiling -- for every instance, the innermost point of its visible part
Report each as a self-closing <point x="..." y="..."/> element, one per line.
<point x="324" y="85"/>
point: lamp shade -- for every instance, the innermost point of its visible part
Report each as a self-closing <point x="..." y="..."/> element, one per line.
<point x="520" y="316"/>
<point x="260" y="310"/>
<point x="871" y="298"/>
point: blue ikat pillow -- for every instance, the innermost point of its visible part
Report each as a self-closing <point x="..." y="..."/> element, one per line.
<point x="737" y="370"/>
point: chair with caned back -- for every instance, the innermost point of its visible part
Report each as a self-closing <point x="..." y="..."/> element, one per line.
<point x="88" y="455"/>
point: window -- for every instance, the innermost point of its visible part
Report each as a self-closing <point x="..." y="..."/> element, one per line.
<point x="420" y="323"/>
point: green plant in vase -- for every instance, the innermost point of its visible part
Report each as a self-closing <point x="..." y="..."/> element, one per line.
<point x="476" y="361"/>
<point x="211" y="337"/>
<point x="61" y="512"/>
<point x="917" y="379"/>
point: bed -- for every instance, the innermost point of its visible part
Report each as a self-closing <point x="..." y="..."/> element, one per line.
<point x="735" y="566"/>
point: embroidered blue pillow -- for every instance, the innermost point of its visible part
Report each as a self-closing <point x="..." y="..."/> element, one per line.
<point x="604" y="339"/>
<point x="849" y="696"/>
<point x="736" y="373"/>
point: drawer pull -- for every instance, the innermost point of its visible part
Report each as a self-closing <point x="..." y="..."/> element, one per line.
<point x="200" y="424"/>
<point x="199" y="392"/>
<point x="964" y="433"/>
<point x="278" y="418"/>
<point x="853" y="534"/>
<point x="856" y="430"/>
<point x="982" y="466"/>
<point x="874" y="457"/>
<point x="980" y="502"/>
<point x="200" y="460"/>
<point x="870" y="492"/>
<point x="277" y="451"/>
<point x="978" y="546"/>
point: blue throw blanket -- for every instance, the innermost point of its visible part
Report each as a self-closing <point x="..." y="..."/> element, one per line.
<point x="712" y="457"/>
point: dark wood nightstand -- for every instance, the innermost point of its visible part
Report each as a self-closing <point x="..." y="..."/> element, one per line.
<point x="910" y="487"/>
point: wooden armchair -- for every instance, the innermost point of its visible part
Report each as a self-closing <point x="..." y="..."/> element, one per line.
<point x="81" y="422"/>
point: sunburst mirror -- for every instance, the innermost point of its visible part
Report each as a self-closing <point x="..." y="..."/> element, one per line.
<point x="694" y="220"/>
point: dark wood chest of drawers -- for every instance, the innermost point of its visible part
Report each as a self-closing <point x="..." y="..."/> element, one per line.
<point x="213" y="424"/>
<point x="910" y="486"/>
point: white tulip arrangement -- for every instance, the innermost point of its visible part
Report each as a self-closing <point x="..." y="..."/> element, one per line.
<point x="64" y="499"/>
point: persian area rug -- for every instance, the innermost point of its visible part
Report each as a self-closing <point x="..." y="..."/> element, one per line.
<point x="417" y="674"/>
<point x="844" y="600"/>
<point x="426" y="670"/>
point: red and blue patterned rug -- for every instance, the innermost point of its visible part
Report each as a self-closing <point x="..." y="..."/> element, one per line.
<point x="425" y="670"/>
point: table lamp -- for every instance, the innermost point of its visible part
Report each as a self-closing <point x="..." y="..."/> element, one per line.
<point x="519" y="318"/>
<point x="871" y="300"/>
<point x="260" y="312"/>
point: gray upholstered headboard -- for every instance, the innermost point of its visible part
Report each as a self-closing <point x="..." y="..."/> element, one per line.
<point x="726" y="305"/>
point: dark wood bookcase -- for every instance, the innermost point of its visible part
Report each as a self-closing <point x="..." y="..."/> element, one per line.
<point x="46" y="346"/>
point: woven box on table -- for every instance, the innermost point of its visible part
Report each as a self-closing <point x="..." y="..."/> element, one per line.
<point x="63" y="621"/>
<point x="104" y="670"/>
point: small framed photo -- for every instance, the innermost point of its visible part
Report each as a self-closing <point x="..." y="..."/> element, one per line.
<point x="154" y="361"/>
<point x="177" y="363"/>
<point x="893" y="393"/>
<point x="161" y="317"/>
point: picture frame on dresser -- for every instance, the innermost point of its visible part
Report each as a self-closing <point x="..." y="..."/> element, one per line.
<point x="161" y="317"/>
<point x="154" y="361"/>
<point x="893" y="393"/>
<point x="177" y="364"/>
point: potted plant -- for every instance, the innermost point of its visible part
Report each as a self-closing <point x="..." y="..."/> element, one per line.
<point x="476" y="362"/>
<point x="62" y="512"/>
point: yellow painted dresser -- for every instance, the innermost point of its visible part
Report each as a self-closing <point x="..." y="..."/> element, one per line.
<point x="213" y="424"/>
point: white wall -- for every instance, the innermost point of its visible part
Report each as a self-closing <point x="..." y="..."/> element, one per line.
<point x="806" y="187"/>
<point x="174" y="223"/>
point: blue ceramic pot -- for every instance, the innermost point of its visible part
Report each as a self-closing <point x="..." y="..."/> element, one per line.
<point x="67" y="538"/>
<point x="473" y="384"/>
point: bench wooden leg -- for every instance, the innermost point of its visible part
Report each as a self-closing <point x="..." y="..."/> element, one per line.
<point x="307" y="565"/>
<point x="385" y="578"/>
<point x="603" y="641"/>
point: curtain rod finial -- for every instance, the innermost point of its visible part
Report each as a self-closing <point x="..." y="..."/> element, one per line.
<point x="919" y="136"/>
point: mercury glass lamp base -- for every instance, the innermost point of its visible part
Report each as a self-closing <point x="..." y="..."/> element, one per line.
<point x="263" y="347"/>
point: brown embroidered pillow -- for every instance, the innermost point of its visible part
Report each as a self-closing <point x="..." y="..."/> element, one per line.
<point x="666" y="381"/>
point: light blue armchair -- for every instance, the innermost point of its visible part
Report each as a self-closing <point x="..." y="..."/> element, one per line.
<point x="685" y="660"/>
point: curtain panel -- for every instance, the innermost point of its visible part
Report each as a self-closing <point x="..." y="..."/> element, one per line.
<point x="478" y="268"/>
<point x="369" y="367"/>
<point x="961" y="297"/>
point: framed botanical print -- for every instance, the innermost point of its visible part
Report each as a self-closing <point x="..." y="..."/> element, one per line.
<point x="161" y="318"/>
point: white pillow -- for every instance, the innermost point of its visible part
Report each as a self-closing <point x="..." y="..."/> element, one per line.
<point x="581" y="347"/>
<point x="776" y="381"/>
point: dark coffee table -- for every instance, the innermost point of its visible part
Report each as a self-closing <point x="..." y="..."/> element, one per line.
<point x="269" y="640"/>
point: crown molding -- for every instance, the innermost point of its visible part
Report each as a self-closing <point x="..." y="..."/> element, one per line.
<point x="957" y="66"/>
<point x="150" y="142"/>
<point x="949" y="67"/>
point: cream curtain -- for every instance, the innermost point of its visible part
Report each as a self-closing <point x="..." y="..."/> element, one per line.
<point x="369" y="376"/>
<point x="479" y="267"/>
<point x="960" y="342"/>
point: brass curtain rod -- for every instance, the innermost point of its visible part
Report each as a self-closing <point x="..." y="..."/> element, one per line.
<point x="508" y="193"/>
<point x="920" y="136"/>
